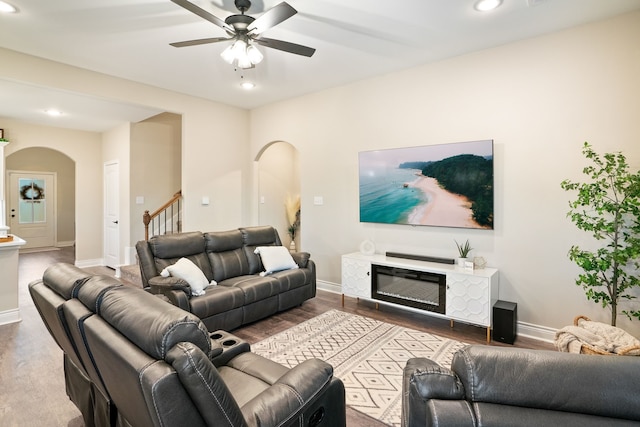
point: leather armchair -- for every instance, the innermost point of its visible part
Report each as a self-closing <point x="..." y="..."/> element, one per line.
<point x="497" y="386"/>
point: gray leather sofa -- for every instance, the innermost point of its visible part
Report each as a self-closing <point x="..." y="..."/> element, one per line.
<point x="241" y="295"/>
<point x="497" y="386"/>
<point x="154" y="364"/>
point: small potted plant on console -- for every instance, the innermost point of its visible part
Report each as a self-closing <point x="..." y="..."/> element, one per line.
<point x="463" y="250"/>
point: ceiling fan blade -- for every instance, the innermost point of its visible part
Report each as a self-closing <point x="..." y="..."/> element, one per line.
<point x="200" y="41"/>
<point x="272" y="17"/>
<point x="298" y="49"/>
<point x="203" y="14"/>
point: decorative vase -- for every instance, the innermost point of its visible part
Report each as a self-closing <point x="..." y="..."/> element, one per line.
<point x="461" y="261"/>
<point x="292" y="246"/>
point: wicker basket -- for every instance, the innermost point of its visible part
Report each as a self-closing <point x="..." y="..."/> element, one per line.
<point x="589" y="349"/>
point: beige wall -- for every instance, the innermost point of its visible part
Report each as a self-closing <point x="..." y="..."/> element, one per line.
<point x="46" y="160"/>
<point x="156" y="171"/>
<point x="279" y="178"/>
<point x="538" y="99"/>
<point x="214" y="148"/>
<point x="83" y="148"/>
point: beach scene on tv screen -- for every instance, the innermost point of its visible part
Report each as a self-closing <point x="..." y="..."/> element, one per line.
<point x="444" y="185"/>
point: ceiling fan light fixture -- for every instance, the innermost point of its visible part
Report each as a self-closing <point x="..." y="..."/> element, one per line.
<point x="244" y="62"/>
<point x="487" y="5"/>
<point x="243" y="53"/>
<point x="254" y="54"/>
<point x="228" y="55"/>
<point x="7" y="7"/>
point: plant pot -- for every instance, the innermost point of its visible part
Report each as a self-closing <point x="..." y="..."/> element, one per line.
<point x="461" y="261"/>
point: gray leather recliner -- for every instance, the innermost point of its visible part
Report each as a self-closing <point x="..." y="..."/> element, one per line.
<point x="160" y="366"/>
<point x="498" y="386"/>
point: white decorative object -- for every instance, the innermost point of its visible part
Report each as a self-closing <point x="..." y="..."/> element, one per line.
<point x="367" y="247"/>
<point x="461" y="261"/>
<point x="292" y="246"/>
<point x="479" y="262"/>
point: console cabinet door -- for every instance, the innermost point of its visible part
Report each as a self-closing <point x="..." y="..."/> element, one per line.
<point x="356" y="277"/>
<point x="469" y="298"/>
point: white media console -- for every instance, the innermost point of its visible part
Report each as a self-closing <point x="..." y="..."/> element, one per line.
<point x="470" y="294"/>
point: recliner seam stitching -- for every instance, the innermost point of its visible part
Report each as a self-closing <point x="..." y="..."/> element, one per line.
<point x="197" y="371"/>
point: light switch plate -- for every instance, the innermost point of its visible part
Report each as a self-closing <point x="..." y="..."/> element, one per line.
<point x="318" y="200"/>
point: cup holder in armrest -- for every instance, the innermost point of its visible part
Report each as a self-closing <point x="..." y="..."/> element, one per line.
<point x="230" y="345"/>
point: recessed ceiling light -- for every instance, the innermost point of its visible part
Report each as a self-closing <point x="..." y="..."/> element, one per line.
<point x="53" y="112"/>
<point x="247" y="85"/>
<point x="487" y="5"/>
<point x="7" y="8"/>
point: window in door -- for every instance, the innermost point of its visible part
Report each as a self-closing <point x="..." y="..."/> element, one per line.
<point x="32" y="201"/>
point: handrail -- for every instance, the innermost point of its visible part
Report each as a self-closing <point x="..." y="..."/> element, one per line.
<point x="147" y="218"/>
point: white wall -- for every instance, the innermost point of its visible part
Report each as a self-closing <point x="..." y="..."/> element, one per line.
<point x="538" y="99"/>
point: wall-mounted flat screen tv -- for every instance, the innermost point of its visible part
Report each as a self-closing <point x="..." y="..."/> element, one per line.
<point x="445" y="185"/>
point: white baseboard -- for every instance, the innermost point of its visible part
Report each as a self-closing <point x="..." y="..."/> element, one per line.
<point x="10" y="316"/>
<point x="536" y="332"/>
<point x="65" y="244"/>
<point x="529" y="330"/>
<point x="329" y="287"/>
<point x="84" y="263"/>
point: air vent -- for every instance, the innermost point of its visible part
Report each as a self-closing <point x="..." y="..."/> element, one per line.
<point x="532" y="3"/>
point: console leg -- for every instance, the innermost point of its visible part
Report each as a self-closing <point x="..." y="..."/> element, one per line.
<point x="343" y="300"/>
<point x="377" y="306"/>
<point x="488" y="334"/>
<point x="451" y="323"/>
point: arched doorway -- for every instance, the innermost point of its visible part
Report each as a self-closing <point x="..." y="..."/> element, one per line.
<point x="279" y="183"/>
<point x="36" y="163"/>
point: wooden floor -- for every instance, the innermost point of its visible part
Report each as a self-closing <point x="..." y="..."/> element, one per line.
<point x="32" y="379"/>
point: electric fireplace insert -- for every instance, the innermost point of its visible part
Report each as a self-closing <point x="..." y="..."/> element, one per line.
<point x="418" y="289"/>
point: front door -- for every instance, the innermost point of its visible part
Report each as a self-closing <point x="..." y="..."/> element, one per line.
<point x="32" y="214"/>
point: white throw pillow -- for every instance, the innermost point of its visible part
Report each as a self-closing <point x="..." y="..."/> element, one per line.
<point x="186" y="270"/>
<point x="275" y="258"/>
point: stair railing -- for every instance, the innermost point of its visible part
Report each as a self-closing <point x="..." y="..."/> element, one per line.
<point x="164" y="220"/>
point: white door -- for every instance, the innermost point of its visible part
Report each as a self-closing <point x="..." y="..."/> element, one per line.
<point x="32" y="202"/>
<point x="111" y="215"/>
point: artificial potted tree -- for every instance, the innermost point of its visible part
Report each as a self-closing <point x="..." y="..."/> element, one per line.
<point x="608" y="207"/>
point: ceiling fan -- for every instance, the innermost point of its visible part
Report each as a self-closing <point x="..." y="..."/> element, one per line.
<point x="245" y="30"/>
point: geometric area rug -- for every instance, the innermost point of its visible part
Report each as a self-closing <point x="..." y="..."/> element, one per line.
<point x="366" y="354"/>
